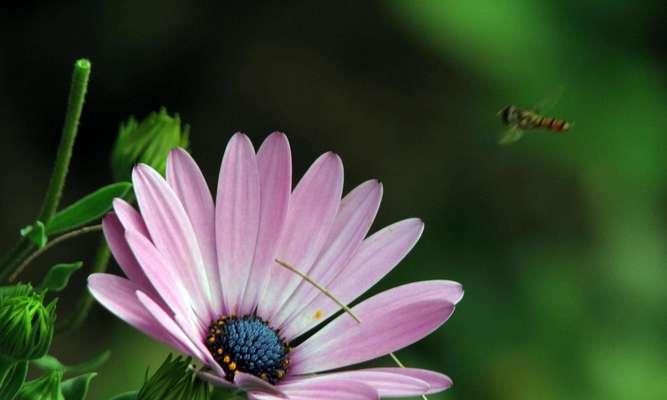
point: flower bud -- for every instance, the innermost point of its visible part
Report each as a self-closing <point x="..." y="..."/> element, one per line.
<point x="26" y="325"/>
<point x="45" y="388"/>
<point x="148" y="142"/>
<point x="174" y="380"/>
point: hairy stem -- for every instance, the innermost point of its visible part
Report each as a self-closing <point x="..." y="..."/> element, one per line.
<point x="77" y="94"/>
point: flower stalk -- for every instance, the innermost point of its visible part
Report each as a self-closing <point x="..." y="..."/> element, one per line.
<point x="77" y="94"/>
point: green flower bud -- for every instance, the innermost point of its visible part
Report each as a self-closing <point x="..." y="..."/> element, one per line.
<point x="26" y="325"/>
<point x="148" y="142"/>
<point x="174" y="380"/>
<point x="45" y="388"/>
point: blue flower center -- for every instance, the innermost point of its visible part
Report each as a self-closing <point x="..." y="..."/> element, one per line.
<point x="249" y="345"/>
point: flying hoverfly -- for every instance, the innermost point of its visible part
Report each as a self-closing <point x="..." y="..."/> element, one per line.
<point x="519" y="120"/>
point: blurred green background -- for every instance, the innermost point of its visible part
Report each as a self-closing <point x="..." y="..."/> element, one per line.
<point x="558" y="240"/>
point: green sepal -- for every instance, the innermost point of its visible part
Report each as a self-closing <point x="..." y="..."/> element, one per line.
<point x="13" y="380"/>
<point x="36" y="233"/>
<point x="227" y="394"/>
<point x="174" y="380"/>
<point x="126" y="396"/>
<point x="58" y="276"/>
<point x="77" y="388"/>
<point x="89" y="208"/>
<point x="47" y="387"/>
<point x="51" y="363"/>
<point x="147" y="141"/>
<point x="26" y="324"/>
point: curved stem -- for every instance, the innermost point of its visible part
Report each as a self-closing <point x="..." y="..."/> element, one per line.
<point x="15" y="256"/>
<point x="62" y="238"/>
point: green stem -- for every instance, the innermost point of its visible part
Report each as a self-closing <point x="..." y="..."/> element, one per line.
<point x="59" y="239"/>
<point x="75" y="321"/>
<point x="77" y="94"/>
<point x="15" y="256"/>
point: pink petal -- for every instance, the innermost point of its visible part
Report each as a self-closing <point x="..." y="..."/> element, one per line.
<point x="189" y="185"/>
<point x="169" y="324"/>
<point x="251" y="383"/>
<point x="437" y="381"/>
<point x="237" y="220"/>
<point x="115" y="236"/>
<point x="274" y="163"/>
<point x="245" y="382"/>
<point x="183" y="330"/>
<point x="354" y="219"/>
<point x="376" y="257"/>
<point x="324" y="389"/>
<point x="117" y="295"/>
<point x="197" y="336"/>
<point x="387" y="383"/>
<point x="163" y="276"/>
<point x="173" y="235"/>
<point x="129" y="217"/>
<point x="216" y="380"/>
<point x="390" y="321"/>
<point x="312" y="209"/>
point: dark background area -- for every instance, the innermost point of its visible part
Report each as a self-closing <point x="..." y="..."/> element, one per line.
<point x="558" y="240"/>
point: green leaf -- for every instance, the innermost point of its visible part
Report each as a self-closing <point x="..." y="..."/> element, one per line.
<point x="77" y="388"/>
<point x="58" y="276"/>
<point x="87" y="209"/>
<point x="90" y="365"/>
<point x="51" y="363"/>
<point x="13" y="380"/>
<point x="127" y="396"/>
<point x="36" y="233"/>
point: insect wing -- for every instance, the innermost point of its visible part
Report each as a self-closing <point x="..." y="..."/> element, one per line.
<point x="510" y="136"/>
<point x="550" y="101"/>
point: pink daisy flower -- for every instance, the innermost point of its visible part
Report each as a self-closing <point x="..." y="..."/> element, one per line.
<point x="202" y="277"/>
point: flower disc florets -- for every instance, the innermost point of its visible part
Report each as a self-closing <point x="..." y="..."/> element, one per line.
<point x="249" y="345"/>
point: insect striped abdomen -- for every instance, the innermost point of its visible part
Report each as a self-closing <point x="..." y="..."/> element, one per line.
<point x="553" y="124"/>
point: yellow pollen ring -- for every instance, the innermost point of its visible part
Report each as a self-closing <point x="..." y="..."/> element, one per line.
<point x="232" y="366"/>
